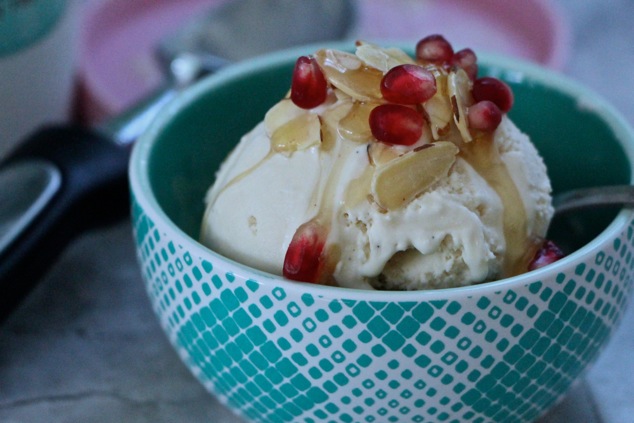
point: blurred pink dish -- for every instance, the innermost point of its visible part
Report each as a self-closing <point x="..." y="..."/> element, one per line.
<point x="532" y="30"/>
<point x="118" y="67"/>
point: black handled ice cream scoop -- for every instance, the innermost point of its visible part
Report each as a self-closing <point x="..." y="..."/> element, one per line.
<point x="64" y="179"/>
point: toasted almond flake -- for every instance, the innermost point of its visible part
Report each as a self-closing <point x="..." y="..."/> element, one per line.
<point x="459" y="86"/>
<point x="438" y="107"/>
<point x="299" y="133"/>
<point x="355" y="124"/>
<point x="280" y="114"/>
<point x="402" y="179"/>
<point x="348" y="73"/>
<point x="380" y="58"/>
<point x="330" y="121"/>
<point x="341" y="96"/>
<point x="380" y="153"/>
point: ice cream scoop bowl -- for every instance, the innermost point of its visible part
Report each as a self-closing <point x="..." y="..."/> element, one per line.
<point x="274" y="350"/>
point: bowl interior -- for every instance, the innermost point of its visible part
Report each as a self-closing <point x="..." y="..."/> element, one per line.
<point x="580" y="138"/>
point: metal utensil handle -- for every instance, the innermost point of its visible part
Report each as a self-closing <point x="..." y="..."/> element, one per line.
<point x="614" y="195"/>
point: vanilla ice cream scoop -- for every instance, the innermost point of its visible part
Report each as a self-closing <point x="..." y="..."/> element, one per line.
<point x="384" y="172"/>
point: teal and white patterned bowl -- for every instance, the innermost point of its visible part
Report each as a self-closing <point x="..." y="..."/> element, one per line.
<point x="277" y="351"/>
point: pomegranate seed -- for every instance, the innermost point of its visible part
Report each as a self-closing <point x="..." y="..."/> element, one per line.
<point x="484" y="115"/>
<point x="548" y="253"/>
<point x="408" y="84"/>
<point x="467" y="60"/>
<point x="308" y="86"/>
<point x="493" y="89"/>
<point x="396" y="124"/>
<point x="304" y="255"/>
<point x="434" y="48"/>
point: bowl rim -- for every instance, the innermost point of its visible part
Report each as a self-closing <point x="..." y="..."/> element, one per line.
<point x="586" y="98"/>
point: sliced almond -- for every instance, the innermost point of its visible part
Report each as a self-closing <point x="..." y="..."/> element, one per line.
<point x="280" y="114"/>
<point x="438" y="107"/>
<point x="348" y="73"/>
<point x="404" y="178"/>
<point x="459" y="86"/>
<point x="299" y="133"/>
<point x="355" y="125"/>
<point x="341" y="96"/>
<point x="380" y="58"/>
<point x="330" y="121"/>
<point x="379" y="153"/>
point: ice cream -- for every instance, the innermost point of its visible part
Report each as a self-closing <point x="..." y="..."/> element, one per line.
<point x="381" y="171"/>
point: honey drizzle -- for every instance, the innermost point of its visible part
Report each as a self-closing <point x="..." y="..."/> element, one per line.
<point x="239" y="177"/>
<point x="296" y="134"/>
<point x="359" y="188"/>
<point x="324" y="199"/>
<point x="484" y="157"/>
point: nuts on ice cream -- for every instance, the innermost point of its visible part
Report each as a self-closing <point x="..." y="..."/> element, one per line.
<point x="383" y="171"/>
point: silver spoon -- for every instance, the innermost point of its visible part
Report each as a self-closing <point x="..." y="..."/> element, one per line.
<point x="585" y="198"/>
<point x="229" y="33"/>
<point x="240" y="29"/>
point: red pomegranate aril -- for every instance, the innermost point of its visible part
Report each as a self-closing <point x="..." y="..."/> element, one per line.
<point x="435" y="49"/>
<point x="408" y="84"/>
<point x="484" y="116"/>
<point x="309" y="87"/>
<point x="467" y="60"/>
<point x="495" y="90"/>
<point x="303" y="259"/>
<point x="548" y="253"/>
<point x="396" y="124"/>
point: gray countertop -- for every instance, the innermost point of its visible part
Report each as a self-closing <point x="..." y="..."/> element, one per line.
<point x="86" y="347"/>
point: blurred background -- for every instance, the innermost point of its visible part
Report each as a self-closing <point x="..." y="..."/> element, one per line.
<point x="85" y="345"/>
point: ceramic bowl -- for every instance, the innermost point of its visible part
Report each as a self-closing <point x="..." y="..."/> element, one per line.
<point x="279" y="351"/>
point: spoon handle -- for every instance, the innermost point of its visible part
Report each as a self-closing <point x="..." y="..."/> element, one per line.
<point x="615" y="195"/>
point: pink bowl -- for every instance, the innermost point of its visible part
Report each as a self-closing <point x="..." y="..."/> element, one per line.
<point x="118" y="67"/>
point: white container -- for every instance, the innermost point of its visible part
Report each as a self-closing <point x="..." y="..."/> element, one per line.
<point x="38" y="45"/>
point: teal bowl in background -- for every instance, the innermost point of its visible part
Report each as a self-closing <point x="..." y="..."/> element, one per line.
<point x="279" y="351"/>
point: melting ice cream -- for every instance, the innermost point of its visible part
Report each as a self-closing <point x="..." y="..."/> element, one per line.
<point x="384" y="171"/>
